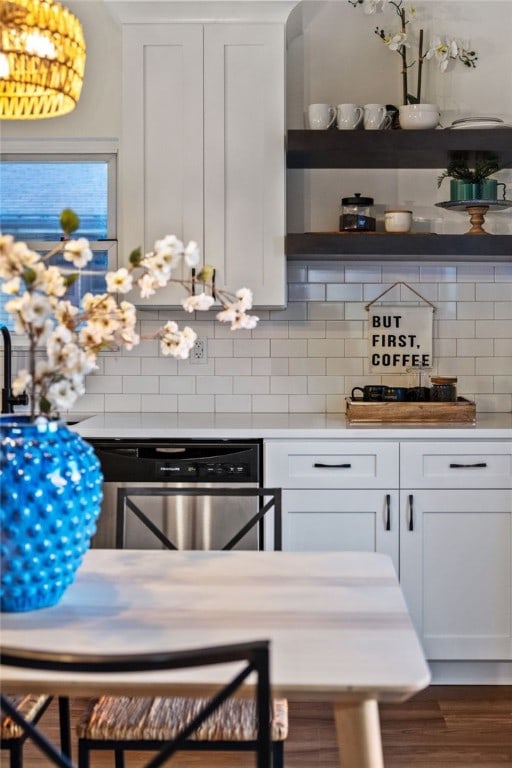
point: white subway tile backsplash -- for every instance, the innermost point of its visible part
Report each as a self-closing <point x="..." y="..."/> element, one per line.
<point x="123" y="366"/>
<point x="233" y="403"/>
<point x="321" y="310"/>
<point x="325" y="385"/>
<point x="309" y="356"/>
<point x="310" y="329"/>
<point x="475" y="310"/>
<point x="270" y="403"/>
<point x="175" y="385"/>
<point x="214" y="385"/>
<point x="251" y="385"/>
<point x="303" y="366"/>
<point x="494" y="292"/>
<point x="307" y="404"/>
<point x="233" y="366"/>
<point x="270" y="366"/>
<point x="159" y="403"/>
<point x="288" y="385"/>
<point x="495" y="366"/>
<point x="289" y="348"/>
<point x="140" y="384"/>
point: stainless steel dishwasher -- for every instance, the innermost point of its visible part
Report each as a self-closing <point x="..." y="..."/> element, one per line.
<point x="162" y="485"/>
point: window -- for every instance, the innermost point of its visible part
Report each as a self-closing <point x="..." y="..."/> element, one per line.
<point x="35" y="188"/>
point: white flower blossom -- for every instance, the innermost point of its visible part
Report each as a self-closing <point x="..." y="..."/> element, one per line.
<point x="78" y="252"/>
<point x="72" y="337"/>
<point x="192" y="254"/>
<point x="444" y="52"/>
<point x="397" y="41"/>
<point x="120" y="281"/>
<point x="200" y="302"/>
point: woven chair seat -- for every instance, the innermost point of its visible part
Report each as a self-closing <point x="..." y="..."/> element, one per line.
<point x="29" y="706"/>
<point x="122" y="718"/>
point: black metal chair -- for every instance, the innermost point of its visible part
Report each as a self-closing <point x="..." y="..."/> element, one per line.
<point x="31" y="707"/>
<point x="255" y="655"/>
<point x="127" y="494"/>
<point x="130" y="723"/>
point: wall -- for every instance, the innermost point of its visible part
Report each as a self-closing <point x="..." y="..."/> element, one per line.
<point x="308" y="357"/>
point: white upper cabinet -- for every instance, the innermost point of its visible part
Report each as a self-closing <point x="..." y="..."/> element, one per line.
<point x="203" y="145"/>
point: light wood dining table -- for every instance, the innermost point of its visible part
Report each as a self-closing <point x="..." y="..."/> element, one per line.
<point x="337" y="622"/>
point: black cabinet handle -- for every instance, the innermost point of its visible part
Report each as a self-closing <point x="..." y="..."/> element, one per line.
<point x="388" y="511"/>
<point x="318" y="465"/>
<point x="478" y="465"/>
<point x="411" y="513"/>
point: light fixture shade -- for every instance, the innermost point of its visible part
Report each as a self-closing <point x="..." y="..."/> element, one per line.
<point x="42" y="59"/>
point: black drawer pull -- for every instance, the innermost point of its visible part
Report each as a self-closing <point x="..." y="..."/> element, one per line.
<point x="388" y="511"/>
<point x="411" y="512"/>
<point x="478" y="465"/>
<point x="318" y="465"/>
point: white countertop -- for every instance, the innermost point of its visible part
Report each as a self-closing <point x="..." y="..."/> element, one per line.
<point x="280" y="425"/>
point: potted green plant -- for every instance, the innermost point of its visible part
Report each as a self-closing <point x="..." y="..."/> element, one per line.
<point x="473" y="183"/>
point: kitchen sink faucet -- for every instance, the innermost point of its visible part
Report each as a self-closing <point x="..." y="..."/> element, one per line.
<point x="8" y="399"/>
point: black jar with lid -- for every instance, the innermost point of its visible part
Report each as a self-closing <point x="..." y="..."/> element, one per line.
<point x="444" y="388"/>
<point x="357" y="214"/>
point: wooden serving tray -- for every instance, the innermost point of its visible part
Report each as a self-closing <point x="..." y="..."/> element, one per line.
<point x="461" y="411"/>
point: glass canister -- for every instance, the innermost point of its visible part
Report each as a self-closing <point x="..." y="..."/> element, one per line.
<point x="357" y="214"/>
<point x="444" y="388"/>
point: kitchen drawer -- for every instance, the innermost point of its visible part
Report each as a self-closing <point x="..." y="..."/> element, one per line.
<point x="456" y="465"/>
<point x="331" y="464"/>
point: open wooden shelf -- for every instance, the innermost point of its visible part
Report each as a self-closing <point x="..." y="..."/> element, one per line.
<point x="393" y="149"/>
<point x="396" y="149"/>
<point x="375" y="246"/>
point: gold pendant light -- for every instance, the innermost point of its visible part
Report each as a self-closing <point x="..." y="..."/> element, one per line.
<point x="42" y="59"/>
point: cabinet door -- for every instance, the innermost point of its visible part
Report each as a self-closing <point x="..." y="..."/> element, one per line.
<point x="245" y="157"/>
<point x="455" y="571"/>
<point x="161" y="152"/>
<point x="341" y="520"/>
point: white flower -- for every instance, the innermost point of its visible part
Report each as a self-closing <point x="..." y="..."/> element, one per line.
<point x="147" y="285"/>
<point x="72" y="336"/>
<point x="200" y="302"/>
<point x="244" y="296"/>
<point x="78" y="252"/>
<point x="11" y="286"/>
<point x="192" y="254"/>
<point x="120" y="281"/>
<point x="397" y="41"/>
<point x="52" y="282"/>
<point x="22" y="382"/>
<point x="442" y="52"/>
<point x="62" y="395"/>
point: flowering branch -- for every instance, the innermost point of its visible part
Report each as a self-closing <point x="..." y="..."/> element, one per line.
<point x="443" y="51"/>
<point x="73" y="336"/>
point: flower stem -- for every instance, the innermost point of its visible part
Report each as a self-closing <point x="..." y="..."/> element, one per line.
<point x="403" y="54"/>
<point x="420" y="66"/>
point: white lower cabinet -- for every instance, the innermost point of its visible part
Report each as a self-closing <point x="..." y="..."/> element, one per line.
<point x="455" y="571"/>
<point x="456" y="546"/>
<point x="337" y="495"/>
<point x="442" y="510"/>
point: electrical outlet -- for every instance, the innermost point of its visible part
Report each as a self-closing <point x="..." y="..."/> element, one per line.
<point x="199" y="352"/>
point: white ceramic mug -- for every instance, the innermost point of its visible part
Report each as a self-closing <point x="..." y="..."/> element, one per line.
<point x="397" y="221"/>
<point x="376" y="117"/>
<point x="321" y="116"/>
<point x="348" y="116"/>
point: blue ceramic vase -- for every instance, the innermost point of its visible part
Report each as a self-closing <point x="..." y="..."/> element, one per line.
<point x="50" y="500"/>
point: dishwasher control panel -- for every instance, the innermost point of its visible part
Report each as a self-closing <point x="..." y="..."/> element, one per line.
<point x="168" y="461"/>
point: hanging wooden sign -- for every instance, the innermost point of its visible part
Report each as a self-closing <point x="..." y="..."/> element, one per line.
<point x="399" y="337"/>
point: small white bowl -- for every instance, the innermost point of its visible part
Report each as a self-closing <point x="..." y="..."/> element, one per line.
<point x="418" y="116"/>
<point x="398" y="221"/>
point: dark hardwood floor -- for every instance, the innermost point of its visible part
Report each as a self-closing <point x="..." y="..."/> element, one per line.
<point x="442" y="727"/>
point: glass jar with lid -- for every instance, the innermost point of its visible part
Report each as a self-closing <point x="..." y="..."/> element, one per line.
<point x="444" y="388"/>
<point x="357" y="214"/>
